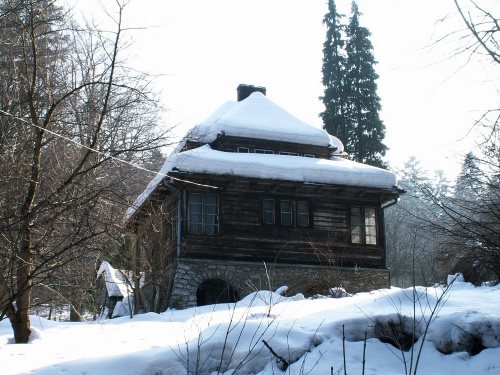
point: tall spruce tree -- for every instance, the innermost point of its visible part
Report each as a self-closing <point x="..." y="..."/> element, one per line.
<point x="351" y="102"/>
<point x="335" y="119"/>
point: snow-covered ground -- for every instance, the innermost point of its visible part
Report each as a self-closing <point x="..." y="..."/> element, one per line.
<point x="306" y="333"/>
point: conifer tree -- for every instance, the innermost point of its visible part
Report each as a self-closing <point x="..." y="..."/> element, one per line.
<point x="351" y="102"/>
<point x="469" y="184"/>
<point x="365" y="105"/>
<point x="334" y="117"/>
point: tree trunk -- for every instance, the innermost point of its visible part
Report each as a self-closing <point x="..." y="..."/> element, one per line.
<point x="74" y="316"/>
<point x="20" y="320"/>
<point x="137" y="295"/>
<point x="21" y="326"/>
<point x="137" y="278"/>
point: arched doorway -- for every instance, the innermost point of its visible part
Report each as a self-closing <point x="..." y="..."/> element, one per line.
<point x="213" y="291"/>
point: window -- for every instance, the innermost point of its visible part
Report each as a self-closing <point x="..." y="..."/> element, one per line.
<point x="203" y="214"/>
<point x="364" y="225"/>
<point x="268" y="216"/>
<point x="243" y="150"/>
<point x="261" y="151"/>
<point x="286" y="213"/>
<point x="289" y="153"/>
<point x="302" y="214"/>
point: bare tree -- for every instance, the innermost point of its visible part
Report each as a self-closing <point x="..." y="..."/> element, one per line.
<point x="471" y="222"/>
<point x="482" y="27"/>
<point x="412" y="241"/>
<point x="470" y="218"/>
<point x="71" y="113"/>
<point x="462" y="224"/>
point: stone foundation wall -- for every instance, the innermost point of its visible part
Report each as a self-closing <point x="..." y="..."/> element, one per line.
<point x="248" y="277"/>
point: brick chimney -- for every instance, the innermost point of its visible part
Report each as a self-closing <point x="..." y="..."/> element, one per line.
<point x="244" y="91"/>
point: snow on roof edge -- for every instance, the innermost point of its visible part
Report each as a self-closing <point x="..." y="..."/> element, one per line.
<point x="225" y="119"/>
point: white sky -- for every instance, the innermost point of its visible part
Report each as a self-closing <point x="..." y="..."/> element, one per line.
<point x="204" y="49"/>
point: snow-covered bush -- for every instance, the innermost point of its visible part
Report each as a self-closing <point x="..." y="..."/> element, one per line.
<point x="397" y="330"/>
<point x="467" y="331"/>
<point x="339" y="292"/>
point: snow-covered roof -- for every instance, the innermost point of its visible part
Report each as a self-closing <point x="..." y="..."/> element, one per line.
<point x="336" y="171"/>
<point x="116" y="280"/>
<point x="258" y="117"/>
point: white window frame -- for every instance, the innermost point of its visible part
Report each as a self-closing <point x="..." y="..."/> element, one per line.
<point x="272" y="211"/>
<point x="263" y="151"/>
<point x="298" y="215"/>
<point x="287" y="213"/>
<point x="203" y="225"/>
<point x="364" y="225"/>
<point x="303" y="214"/>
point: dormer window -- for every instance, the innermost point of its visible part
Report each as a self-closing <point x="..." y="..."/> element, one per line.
<point x="262" y="151"/>
<point x="266" y="151"/>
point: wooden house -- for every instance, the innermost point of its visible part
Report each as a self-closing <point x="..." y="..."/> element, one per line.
<point x="254" y="198"/>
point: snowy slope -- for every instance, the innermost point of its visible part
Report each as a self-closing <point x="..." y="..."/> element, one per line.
<point x="306" y="333"/>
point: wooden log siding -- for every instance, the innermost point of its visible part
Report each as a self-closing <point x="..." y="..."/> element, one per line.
<point x="244" y="237"/>
<point x="242" y="234"/>
<point x="244" y="248"/>
<point x="330" y="216"/>
<point x="239" y="211"/>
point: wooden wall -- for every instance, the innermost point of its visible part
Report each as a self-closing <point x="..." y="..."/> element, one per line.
<point x="230" y="144"/>
<point x="243" y="236"/>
